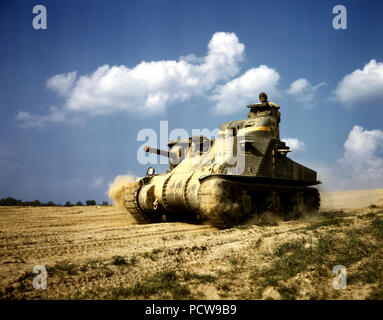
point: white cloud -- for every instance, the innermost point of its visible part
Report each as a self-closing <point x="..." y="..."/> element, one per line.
<point x="146" y="89"/>
<point x="362" y="162"/>
<point x="62" y="83"/>
<point x="55" y="115"/>
<point x="304" y="92"/>
<point x="294" y="144"/>
<point x="192" y="58"/>
<point x="361" y="86"/>
<point x="360" y="166"/>
<point x="150" y="87"/>
<point x="245" y="89"/>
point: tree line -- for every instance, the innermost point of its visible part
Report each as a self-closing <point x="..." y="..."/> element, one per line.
<point x="36" y="203"/>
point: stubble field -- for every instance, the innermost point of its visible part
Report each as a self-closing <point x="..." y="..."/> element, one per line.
<point x="100" y="252"/>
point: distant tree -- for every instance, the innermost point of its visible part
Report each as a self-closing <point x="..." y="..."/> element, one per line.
<point x="36" y="203"/>
<point x="68" y="204"/>
<point x="105" y="203"/>
<point x="90" y="202"/>
<point x="79" y="203"/>
<point x="11" y="202"/>
<point x="51" y="204"/>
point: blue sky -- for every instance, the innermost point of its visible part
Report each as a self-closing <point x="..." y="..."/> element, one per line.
<point x="73" y="97"/>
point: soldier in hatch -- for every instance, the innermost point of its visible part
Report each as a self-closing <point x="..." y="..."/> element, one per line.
<point x="265" y="105"/>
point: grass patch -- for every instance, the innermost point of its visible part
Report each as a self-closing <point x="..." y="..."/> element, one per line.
<point x="63" y="266"/>
<point x="353" y="249"/>
<point x="160" y="283"/>
<point x="376" y="294"/>
<point x="377" y="226"/>
<point x="234" y="261"/>
<point x="133" y="260"/>
<point x="153" y="254"/>
<point x="368" y="272"/>
<point x="225" y="286"/>
<point x="292" y="258"/>
<point x="157" y="251"/>
<point x="331" y="222"/>
<point x="289" y="293"/>
<point x="118" y="261"/>
<point x="319" y="257"/>
<point x="201" y="278"/>
<point x="369" y="215"/>
<point x="121" y="261"/>
<point x="26" y="275"/>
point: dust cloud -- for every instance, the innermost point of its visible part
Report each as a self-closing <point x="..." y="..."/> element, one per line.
<point x="216" y="199"/>
<point x="118" y="188"/>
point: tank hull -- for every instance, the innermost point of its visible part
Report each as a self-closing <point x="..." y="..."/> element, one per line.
<point x="221" y="200"/>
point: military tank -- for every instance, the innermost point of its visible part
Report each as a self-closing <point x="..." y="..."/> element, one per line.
<point x="243" y="171"/>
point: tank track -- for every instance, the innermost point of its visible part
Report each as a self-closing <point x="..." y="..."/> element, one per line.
<point x="131" y="204"/>
<point x="292" y="202"/>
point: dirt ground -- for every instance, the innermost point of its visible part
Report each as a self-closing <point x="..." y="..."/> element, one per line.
<point x="100" y="252"/>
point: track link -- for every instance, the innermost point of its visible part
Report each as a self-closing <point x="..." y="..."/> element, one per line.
<point x="131" y="204"/>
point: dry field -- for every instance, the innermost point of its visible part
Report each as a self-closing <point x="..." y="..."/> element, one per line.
<point x="100" y="253"/>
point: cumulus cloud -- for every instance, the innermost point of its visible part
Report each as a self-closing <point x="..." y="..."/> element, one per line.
<point x="150" y="87"/>
<point x="362" y="161"/>
<point x="294" y="144"/>
<point x="359" y="167"/>
<point x="361" y="86"/>
<point x="245" y="89"/>
<point x="304" y="92"/>
<point x="62" y="83"/>
<point x="146" y="89"/>
<point x="192" y="58"/>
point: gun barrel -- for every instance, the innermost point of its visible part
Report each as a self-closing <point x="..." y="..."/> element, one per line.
<point x="160" y="152"/>
<point x="157" y="151"/>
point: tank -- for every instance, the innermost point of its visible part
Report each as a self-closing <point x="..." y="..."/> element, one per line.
<point x="225" y="180"/>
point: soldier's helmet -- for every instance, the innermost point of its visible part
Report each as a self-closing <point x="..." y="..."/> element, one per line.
<point x="262" y="94"/>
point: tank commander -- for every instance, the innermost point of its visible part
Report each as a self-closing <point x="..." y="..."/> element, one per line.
<point x="264" y="105"/>
<point x="267" y="108"/>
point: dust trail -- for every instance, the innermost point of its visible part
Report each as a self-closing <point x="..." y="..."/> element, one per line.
<point x="266" y="218"/>
<point x="119" y="186"/>
<point x="216" y="198"/>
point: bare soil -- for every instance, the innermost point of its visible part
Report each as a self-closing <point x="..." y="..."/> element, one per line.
<point x="100" y="252"/>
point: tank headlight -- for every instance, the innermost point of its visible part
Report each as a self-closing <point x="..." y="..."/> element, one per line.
<point x="150" y="172"/>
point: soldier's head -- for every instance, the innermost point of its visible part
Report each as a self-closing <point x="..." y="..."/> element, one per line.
<point x="263" y="97"/>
